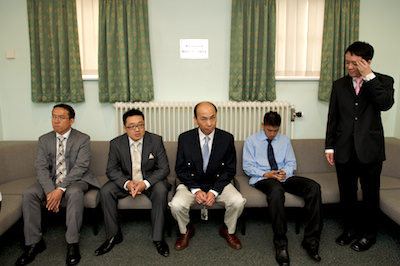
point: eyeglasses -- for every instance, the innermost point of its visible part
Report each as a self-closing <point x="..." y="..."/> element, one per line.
<point x="60" y="117"/>
<point x="134" y="127"/>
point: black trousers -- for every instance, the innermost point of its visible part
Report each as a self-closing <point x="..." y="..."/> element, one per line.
<point x="157" y="193"/>
<point x="360" y="218"/>
<point x="306" y="188"/>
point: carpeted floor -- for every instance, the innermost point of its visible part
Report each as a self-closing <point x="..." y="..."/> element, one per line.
<point x="206" y="247"/>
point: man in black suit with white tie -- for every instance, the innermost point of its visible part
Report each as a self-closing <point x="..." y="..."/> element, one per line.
<point x="137" y="164"/>
<point x="355" y="142"/>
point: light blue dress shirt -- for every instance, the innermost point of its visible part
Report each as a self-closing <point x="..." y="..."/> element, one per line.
<point x="255" y="158"/>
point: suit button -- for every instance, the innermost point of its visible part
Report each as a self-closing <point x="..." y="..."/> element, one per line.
<point x="356" y="118"/>
<point x="223" y="164"/>
<point x="356" y="104"/>
<point x="192" y="174"/>
<point x="217" y="175"/>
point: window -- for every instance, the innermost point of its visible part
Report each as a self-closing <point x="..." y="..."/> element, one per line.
<point x="88" y="29"/>
<point x="299" y="31"/>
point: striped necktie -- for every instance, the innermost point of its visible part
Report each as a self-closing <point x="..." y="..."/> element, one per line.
<point x="61" y="168"/>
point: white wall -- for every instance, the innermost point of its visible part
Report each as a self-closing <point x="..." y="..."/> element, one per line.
<point x="176" y="79"/>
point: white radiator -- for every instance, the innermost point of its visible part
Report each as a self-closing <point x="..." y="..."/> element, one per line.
<point x="242" y="119"/>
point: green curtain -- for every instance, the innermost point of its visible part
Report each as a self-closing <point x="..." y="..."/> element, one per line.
<point x="124" y="51"/>
<point x="252" y="65"/>
<point x="341" y="29"/>
<point x="55" y="62"/>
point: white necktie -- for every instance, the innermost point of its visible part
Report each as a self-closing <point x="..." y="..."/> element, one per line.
<point x="136" y="163"/>
<point x="60" y="168"/>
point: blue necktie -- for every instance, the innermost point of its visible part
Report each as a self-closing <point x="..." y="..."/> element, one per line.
<point x="206" y="153"/>
<point x="271" y="156"/>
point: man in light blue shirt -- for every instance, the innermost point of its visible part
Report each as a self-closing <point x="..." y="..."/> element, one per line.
<point x="269" y="161"/>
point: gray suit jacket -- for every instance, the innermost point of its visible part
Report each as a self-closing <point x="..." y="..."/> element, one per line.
<point x="155" y="167"/>
<point x="77" y="155"/>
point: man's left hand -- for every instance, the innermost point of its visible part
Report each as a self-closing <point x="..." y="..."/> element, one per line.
<point x="210" y="199"/>
<point x="53" y="200"/>
<point x="364" y="67"/>
<point x="137" y="188"/>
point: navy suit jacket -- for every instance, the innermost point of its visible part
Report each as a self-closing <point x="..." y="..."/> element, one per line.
<point x="221" y="166"/>
<point x="354" y="121"/>
<point x="77" y="158"/>
<point x="154" y="166"/>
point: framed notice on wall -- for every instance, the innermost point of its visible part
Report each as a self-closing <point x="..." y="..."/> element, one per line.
<point x="193" y="48"/>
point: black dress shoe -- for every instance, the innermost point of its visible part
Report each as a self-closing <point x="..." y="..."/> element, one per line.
<point x="282" y="256"/>
<point x="73" y="254"/>
<point x="312" y="249"/>
<point x="109" y="244"/>
<point x="162" y="248"/>
<point x="345" y="238"/>
<point x="30" y="253"/>
<point x="363" y="244"/>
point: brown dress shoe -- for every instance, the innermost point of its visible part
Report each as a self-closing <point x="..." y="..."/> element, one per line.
<point x="183" y="240"/>
<point x="232" y="240"/>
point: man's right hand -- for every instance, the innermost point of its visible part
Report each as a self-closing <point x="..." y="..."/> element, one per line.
<point x="201" y="197"/>
<point x="275" y="174"/>
<point x="330" y="158"/>
<point x="53" y="200"/>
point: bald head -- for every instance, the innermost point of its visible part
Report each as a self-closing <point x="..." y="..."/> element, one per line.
<point x="205" y="116"/>
<point x="203" y="103"/>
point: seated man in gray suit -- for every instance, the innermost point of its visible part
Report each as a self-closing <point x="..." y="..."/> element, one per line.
<point x="137" y="164"/>
<point x="62" y="171"/>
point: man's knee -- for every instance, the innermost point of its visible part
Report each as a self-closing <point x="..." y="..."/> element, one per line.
<point x="177" y="206"/>
<point x="106" y="191"/>
<point x="74" y="194"/>
<point x="31" y="195"/>
<point x="160" y="191"/>
<point x="314" y="188"/>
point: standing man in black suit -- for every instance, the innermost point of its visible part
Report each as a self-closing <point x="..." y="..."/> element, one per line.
<point x="62" y="166"/>
<point x="206" y="165"/>
<point x="137" y="164"/>
<point x="355" y="142"/>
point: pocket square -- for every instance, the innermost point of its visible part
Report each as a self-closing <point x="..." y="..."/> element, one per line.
<point x="151" y="156"/>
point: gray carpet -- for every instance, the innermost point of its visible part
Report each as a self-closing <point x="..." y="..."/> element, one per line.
<point x="206" y="247"/>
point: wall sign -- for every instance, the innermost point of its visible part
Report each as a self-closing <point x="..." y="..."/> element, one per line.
<point x="193" y="48"/>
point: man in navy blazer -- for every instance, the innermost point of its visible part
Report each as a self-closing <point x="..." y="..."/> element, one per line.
<point x="355" y="142"/>
<point x="75" y="181"/>
<point x="137" y="164"/>
<point x="206" y="165"/>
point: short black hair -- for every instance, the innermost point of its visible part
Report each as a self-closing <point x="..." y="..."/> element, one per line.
<point x="363" y="49"/>
<point x="195" y="108"/>
<point x="272" y="119"/>
<point x="131" y="112"/>
<point x="71" y="112"/>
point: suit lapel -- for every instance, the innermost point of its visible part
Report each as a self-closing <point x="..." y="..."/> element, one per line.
<point x="214" y="147"/>
<point x="70" y="142"/>
<point x="53" y="149"/>
<point x="197" y="155"/>
<point x="146" y="149"/>
<point x="126" y="154"/>
<point x="351" y="86"/>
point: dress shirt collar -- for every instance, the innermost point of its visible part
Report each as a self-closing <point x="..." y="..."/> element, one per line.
<point x="262" y="136"/>
<point x="210" y="136"/>
<point x="66" y="135"/>
<point x="131" y="141"/>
